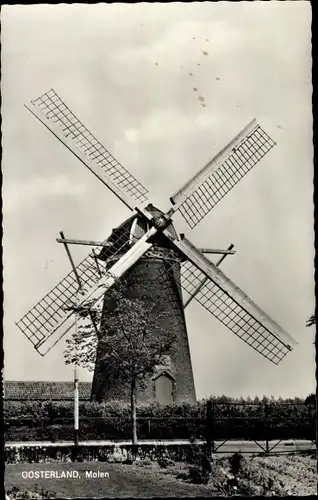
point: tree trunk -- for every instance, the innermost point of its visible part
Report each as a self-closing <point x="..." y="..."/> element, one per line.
<point x="133" y="411"/>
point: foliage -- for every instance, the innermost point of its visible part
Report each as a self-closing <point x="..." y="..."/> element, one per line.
<point x="272" y="476"/>
<point x="145" y="462"/>
<point x="310" y="400"/>
<point x="57" y="409"/>
<point x="165" y="462"/>
<point x="81" y="347"/>
<point x="198" y="475"/>
<point x="28" y="421"/>
<point x="149" y="453"/>
<point x="236" y="462"/>
<point x="34" y="493"/>
<point x="311" y="321"/>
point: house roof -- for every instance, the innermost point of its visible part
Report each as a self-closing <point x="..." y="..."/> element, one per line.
<point x="32" y="390"/>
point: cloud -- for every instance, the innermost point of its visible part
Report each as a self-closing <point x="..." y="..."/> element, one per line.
<point x="131" y="135"/>
<point x="17" y="195"/>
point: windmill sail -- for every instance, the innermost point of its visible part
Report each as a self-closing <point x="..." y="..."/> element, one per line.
<point x="198" y="196"/>
<point x="54" y="311"/>
<point x="59" y="119"/>
<point x="229" y="304"/>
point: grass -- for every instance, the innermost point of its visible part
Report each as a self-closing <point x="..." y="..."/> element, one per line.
<point x="294" y="474"/>
<point x="123" y="481"/>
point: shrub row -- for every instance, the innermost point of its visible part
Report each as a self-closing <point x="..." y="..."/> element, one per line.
<point x="164" y="428"/>
<point x="52" y="410"/>
<point x="109" y="453"/>
<point x="54" y="420"/>
<point x="223" y="407"/>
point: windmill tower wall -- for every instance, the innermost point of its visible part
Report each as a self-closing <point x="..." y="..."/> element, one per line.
<point x="143" y="282"/>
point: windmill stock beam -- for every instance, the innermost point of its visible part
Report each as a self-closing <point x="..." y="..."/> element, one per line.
<point x="180" y="196"/>
<point x="226" y="285"/>
<point x="91" y="165"/>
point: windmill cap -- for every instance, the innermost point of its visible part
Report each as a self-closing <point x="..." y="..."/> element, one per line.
<point x="133" y="229"/>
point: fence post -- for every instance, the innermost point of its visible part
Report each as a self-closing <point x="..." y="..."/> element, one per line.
<point x="266" y="428"/>
<point x="42" y="426"/>
<point x="148" y="428"/>
<point x="210" y="426"/>
<point x="76" y="409"/>
<point x="41" y="420"/>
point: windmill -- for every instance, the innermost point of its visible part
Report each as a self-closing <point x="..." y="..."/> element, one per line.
<point x="147" y="250"/>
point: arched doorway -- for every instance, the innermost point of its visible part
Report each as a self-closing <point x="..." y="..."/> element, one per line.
<point x="164" y="388"/>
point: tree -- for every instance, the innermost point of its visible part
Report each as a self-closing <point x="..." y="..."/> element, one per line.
<point x="311" y="321"/>
<point x="310" y="400"/>
<point x="132" y="354"/>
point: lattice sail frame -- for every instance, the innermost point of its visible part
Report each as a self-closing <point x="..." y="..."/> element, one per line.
<point x="230" y="312"/>
<point x="222" y="174"/>
<point x="53" y="311"/>
<point x="51" y="106"/>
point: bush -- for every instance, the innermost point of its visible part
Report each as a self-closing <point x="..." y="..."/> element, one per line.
<point x="165" y="462"/>
<point x="310" y="400"/>
<point x="184" y="476"/>
<point x="35" y="493"/>
<point x="236" y="463"/>
<point x="205" y="463"/>
<point x="145" y="462"/>
<point x="198" y="475"/>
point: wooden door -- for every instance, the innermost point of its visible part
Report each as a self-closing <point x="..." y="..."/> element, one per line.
<point x="164" y="390"/>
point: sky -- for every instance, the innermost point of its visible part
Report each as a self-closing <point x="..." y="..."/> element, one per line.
<point x="129" y="71"/>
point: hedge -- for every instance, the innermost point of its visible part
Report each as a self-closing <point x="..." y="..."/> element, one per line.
<point x="108" y="453"/>
<point x="111" y="421"/>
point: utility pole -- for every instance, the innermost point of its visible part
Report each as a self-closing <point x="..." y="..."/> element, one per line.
<point x="76" y="409"/>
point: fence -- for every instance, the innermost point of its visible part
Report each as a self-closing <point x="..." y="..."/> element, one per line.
<point x="103" y="428"/>
<point x="211" y="421"/>
<point x="265" y="422"/>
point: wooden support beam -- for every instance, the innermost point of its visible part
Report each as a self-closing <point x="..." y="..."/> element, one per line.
<point x="84" y="242"/>
<point x="218" y="251"/>
<point x="80" y="285"/>
<point x="199" y="287"/>
<point x="64" y="241"/>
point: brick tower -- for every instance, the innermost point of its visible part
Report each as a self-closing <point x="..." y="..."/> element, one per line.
<point x="172" y="384"/>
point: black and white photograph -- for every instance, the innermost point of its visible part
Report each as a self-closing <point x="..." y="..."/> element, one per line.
<point x="158" y="250"/>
